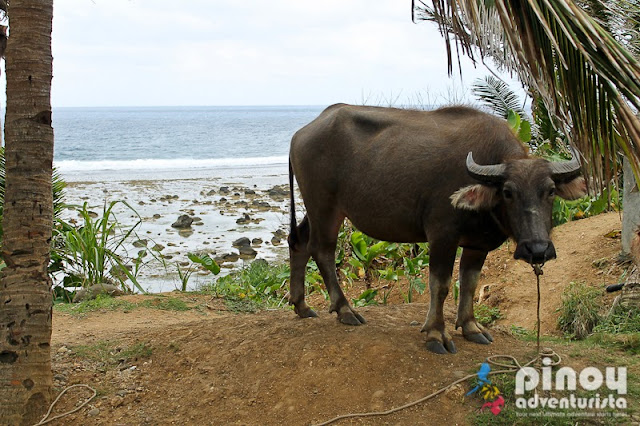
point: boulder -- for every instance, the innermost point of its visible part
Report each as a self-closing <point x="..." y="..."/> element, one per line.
<point x="242" y="242"/>
<point x="247" y="252"/>
<point x="183" y="222"/>
<point x="140" y="243"/>
<point x="93" y="291"/>
<point x="244" y="220"/>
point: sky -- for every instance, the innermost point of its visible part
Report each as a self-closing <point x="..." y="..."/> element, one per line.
<point x="252" y="52"/>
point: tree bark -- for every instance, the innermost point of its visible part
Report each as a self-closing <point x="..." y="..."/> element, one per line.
<point x="25" y="286"/>
<point x="630" y="208"/>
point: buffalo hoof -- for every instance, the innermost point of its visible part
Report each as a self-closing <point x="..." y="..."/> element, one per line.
<point x="438" y="342"/>
<point x="439" y="348"/>
<point x="474" y="332"/>
<point x="348" y="316"/>
<point x="305" y="311"/>
<point x="479" y="338"/>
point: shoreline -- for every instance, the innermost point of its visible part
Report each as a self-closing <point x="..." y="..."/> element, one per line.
<point x="226" y="203"/>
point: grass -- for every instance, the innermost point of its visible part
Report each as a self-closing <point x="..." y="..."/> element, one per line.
<point x="486" y="315"/>
<point x="108" y="303"/>
<point x="581" y="318"/>
<point x="112" y="353"/>
<point x="100" y="303"/>
<point x="580" y="310"/>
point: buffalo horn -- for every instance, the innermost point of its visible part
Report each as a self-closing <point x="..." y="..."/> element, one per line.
<point x="566" y="170"/>
<point x="492" y="174"/>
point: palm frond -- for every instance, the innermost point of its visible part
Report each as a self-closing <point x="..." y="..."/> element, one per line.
<point x="498" y="96"/>
<point x="585" y="77"/>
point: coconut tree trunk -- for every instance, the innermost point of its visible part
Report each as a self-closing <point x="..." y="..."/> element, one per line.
<point x="630" y="208"/>
<point x="25" y="286"/>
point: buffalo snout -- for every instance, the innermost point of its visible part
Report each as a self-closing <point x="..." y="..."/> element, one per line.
<point x="535" y="251"/>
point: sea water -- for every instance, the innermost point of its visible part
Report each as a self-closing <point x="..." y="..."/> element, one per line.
<point x="97" y="144"/>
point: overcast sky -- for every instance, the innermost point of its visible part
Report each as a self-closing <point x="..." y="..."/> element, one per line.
<point x="252" y="52"/>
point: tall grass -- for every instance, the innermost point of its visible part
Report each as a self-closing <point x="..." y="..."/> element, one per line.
<point x="580" y="310"/>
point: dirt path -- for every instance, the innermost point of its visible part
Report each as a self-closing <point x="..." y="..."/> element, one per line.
<point x="211" y="366"/>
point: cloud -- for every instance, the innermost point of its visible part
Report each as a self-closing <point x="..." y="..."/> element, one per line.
<point x="143" y="52"/>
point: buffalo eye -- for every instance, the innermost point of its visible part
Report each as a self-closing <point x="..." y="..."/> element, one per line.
<point x="507" y="194"/>
<point x="552" y="192"/>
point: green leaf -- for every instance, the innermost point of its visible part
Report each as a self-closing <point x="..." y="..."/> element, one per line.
<point x="524" y="134"/>
<point x="418" y="285"/>
<point x="206" y="261"/>
<point x="513" y="119"/>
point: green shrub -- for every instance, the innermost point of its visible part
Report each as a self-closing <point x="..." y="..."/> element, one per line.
<point x="259" y="282"/>
<point x="580" y="310"/>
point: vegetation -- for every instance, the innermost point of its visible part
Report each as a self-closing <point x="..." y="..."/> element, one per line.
<point x="112" y="352"/>
<point x="486" y="315"/>
<point x="107" y="303"/>
<point x="580" y="310"/>
<point x="261" y="284"/>
<point x="581" y="318"/>
<point x="205" y="262"/>
<point x="94" y="253"/>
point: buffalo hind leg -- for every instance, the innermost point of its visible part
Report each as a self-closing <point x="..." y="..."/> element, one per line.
<point x="298" y="258"/>
<point x="470" y="267"/>
<point x="322" y="245"/>
<point x="442" y="258"/>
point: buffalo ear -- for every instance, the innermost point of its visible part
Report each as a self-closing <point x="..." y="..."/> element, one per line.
<point x="475" y="197"/>
<point x="572" y="190"/>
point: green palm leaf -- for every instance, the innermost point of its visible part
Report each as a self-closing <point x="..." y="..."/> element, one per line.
<point x="498" y="96"/>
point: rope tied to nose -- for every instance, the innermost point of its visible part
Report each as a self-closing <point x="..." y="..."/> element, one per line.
<point x="537" y="269"/>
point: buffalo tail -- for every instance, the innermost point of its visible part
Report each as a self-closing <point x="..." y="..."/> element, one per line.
<point x="293" y="233"/>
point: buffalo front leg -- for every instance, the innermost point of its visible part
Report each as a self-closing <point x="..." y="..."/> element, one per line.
<point x="470" y="267"/>
<point x="298" y="258"/>
<point x="441" y="262"/>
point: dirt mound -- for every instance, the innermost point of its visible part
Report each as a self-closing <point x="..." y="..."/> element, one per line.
<point x="212" y="366"/>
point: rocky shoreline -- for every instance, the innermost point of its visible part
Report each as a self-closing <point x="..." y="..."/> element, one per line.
<point x="232" y="220"/>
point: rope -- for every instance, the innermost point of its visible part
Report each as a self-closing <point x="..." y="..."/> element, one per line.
<point x="511" y="366"/>
<point x="537" y="269"/>
<point x="46" y="420"/>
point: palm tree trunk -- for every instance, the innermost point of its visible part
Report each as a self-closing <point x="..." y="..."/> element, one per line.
<point x="630" y="208"/>
<point x="25" y="286"/>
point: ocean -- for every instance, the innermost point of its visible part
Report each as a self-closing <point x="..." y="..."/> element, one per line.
<point x="166" y="142"/>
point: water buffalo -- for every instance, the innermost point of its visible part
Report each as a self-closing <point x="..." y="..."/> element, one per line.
<point x="456" y="177"/>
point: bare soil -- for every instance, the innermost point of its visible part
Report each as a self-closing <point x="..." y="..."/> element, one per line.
<point x="210" y="365"/>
